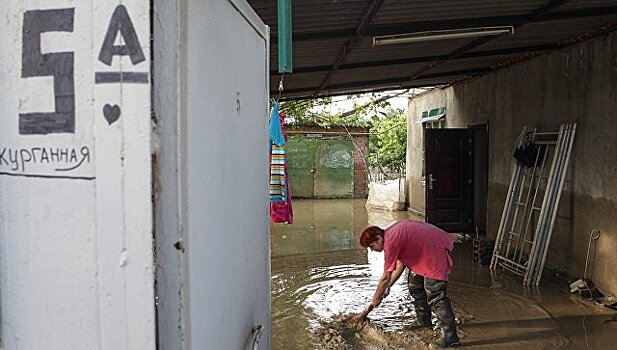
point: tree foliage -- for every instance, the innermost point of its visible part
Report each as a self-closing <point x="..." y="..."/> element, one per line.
<point x="388" y="129"/>
<point x="317" y="112"/>
<point x="303" y="112"/>
<point x="388" y="140"/>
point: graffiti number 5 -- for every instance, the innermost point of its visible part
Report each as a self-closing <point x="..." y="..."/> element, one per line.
<point x="57" y="64"/>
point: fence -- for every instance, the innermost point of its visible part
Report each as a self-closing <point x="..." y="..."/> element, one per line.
<point x="380" y="174"/>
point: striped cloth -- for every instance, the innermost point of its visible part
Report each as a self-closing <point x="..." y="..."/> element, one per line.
<point x="277" y="174"/>
<point x="281" y="210"/>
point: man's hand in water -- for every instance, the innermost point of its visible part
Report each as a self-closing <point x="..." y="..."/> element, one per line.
<point x="375" y="302"/>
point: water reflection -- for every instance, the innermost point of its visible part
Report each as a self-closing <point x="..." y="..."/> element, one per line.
<point x="319" y="269"/>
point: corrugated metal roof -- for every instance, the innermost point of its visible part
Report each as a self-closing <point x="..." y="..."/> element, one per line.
<point x="436" y="10"/>
<point x="333" y="51"/>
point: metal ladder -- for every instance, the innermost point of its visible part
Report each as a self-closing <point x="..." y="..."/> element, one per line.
<point x="530" y="209"/>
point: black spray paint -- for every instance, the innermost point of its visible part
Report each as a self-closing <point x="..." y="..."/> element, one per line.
<point x="121" y="77"/>
<point x="63" y="159"/>
<point x="111" y="113"/>
<point x="121" y="22"/>
<point x="58" y="64"/>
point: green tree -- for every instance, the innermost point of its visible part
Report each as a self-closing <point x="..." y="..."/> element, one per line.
<point x="303" y="112"/>
<point x="388" y="139"/>
<point x="313" y="112"/>
<point x="388" y="128"/>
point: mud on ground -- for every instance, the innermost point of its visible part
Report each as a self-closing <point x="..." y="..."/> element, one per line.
<point x="346" y="332"/>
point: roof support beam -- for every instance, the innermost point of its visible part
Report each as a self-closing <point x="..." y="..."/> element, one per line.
<point x="363" y="23"/>
<point x="425" y="59"/>
<point x="422" y="71"/>
<point x="423" y="26"/>
<point x="535" y="15"/>
<point x="397" y="83"/>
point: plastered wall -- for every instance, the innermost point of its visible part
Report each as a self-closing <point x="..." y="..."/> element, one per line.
<point x="75" y="199"/>
<point x="574" y="84"/>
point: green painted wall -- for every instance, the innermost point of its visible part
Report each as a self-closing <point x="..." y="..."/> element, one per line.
<point x="320" y="168"/>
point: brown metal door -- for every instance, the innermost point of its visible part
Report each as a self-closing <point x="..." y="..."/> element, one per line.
<point x="449" y="178"/>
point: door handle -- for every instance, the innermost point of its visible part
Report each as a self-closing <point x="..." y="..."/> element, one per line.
<point x="430" y="181"/>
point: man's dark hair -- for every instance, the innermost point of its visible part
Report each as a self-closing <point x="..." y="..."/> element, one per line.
<point x="370" y="235"/>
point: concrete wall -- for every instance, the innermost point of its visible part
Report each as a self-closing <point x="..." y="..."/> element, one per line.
<point x="212" y="229"/>
<point x="573" y="84"/>
<point x="75" y="190"/>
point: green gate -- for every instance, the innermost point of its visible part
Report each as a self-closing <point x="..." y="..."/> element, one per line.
<point x="320" y="168"/>
<point x="300" y="158"/>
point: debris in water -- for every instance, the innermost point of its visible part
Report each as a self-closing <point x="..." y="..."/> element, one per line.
<point x="331" y="334"/>
<point x="611" y="319"/>
<point x="346" y="332"/>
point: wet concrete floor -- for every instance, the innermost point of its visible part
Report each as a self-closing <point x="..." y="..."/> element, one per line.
<point x="321" y="275"/>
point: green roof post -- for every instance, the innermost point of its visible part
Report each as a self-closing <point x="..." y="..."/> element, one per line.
<point x="284" y="36"/>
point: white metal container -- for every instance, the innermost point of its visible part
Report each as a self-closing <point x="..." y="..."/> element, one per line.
<point x="211" y="103"/>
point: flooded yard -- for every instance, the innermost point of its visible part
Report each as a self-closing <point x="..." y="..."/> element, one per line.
<point x="321" y="274"/>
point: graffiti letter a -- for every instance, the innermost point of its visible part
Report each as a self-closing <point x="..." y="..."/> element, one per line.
<point x="121" y="22"/>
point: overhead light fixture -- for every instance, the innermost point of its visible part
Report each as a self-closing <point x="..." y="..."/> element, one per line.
<point x="441" y="35"/>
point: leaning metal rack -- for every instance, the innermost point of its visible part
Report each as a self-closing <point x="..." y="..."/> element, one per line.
<point x="531" y="204"/>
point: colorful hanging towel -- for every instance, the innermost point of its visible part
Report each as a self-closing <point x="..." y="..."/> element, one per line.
<point x="277" y="174"/>
<point x="280" y="196"/>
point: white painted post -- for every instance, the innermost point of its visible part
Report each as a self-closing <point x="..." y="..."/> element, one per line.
<point x="76" y="268"/>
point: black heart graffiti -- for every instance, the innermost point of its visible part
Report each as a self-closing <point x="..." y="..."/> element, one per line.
<point x="111" y="113"/>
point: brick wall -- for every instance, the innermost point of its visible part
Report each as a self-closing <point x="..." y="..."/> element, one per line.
<point x="360" y="176"/>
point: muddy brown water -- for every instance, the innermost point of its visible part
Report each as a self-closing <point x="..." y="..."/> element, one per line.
<point x="321" y="275"/>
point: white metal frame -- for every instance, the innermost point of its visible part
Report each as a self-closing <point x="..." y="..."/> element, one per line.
<point x="525" y="229"/>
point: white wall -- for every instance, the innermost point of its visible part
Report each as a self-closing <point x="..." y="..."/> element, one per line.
<point x="75" y="229"/>
<point x="169" y="229"/>
<point x="576" y="83"/>
<point x="211" y="104"/>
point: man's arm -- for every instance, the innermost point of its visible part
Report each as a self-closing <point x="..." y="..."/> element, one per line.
<point x="394" y="277"/>
<point x="396" y="273"/>
<point x="384" y="283"/>
<point x="388" y="278"/>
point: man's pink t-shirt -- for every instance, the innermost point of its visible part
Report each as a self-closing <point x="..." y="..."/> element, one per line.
<point x="420" y="246"/>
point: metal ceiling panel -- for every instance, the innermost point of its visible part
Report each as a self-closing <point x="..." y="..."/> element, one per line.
<point x="372" y="73"/>
<point x="305" y="54"/>
<point x="313" y="15"/>
<point x="334" y="53"/>
<point x="365" y="53"/>
<point x="559" y="33"/>
<point x="395" y="11"/>
<point x="473" y="66"/>
<point x="586" y="4"/>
